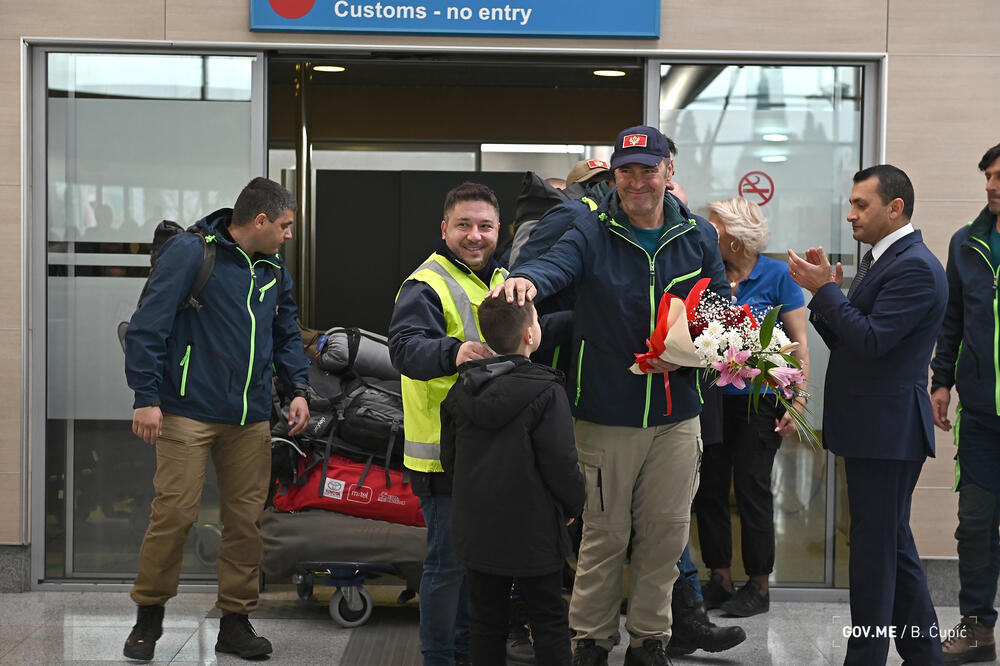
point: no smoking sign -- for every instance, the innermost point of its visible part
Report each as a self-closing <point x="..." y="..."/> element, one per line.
<point x="757" y="186"/>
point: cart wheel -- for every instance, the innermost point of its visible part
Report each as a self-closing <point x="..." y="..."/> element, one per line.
<point x="304" y="585"/>
<point x="351" y="606"/>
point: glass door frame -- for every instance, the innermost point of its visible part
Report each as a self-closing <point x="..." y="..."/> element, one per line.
<point x="873" y="117"/>
<point x="34" y="235"/>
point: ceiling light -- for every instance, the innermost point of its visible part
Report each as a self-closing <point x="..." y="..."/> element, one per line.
<point x="775" y="137"/>
<point x="329" y="68"/>
<point x="774" y="158"/>
<point x="608" y="72"/>
<point x="532" y="148"/>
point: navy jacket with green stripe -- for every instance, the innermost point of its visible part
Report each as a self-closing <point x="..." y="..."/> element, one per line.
<point x="618" y="289"/>
<point x="967" y="356"/>
<point x="214" y="364"/>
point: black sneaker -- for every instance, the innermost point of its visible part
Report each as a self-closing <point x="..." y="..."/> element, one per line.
<point x="747" y="601"/>
<point x="650" y="654"/>
<point x="236" y="636"/>
<point x="589" y="653"/>
<point x="519" y="649"/>
<point x="715" y="593"/>
<point x="141" y="643"/>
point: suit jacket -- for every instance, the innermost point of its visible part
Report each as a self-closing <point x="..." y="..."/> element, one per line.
<point x="877" y="404"/>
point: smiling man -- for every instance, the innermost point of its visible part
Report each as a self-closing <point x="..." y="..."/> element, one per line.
<point x="638" y="444"/>
<point x="433" y="331"/>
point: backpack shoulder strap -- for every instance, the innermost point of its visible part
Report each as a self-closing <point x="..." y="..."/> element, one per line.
<point x="204" y="272"/>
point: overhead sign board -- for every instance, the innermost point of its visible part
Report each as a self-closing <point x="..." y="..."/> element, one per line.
<point x="519" y="18"/>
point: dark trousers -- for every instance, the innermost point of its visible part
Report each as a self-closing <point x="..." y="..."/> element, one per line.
<point x="489" y="610"/>
<point x="744" y="460"/>
<point x="888" y="588"/>
<point x="978" y="532"/>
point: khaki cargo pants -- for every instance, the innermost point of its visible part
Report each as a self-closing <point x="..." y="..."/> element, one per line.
<point x="242" y="458"/>
<point x="641" y="478"/>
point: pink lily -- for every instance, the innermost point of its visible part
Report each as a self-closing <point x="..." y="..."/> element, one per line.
<point x="733" y="369"/>
<point x="782" y="378"/>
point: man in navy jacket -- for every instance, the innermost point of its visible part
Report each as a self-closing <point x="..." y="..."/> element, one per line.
<point x="877" y="413"/>
<point x="202" y="383"/>
<point x="968" y="359"/>
<point x="638" y="443"/>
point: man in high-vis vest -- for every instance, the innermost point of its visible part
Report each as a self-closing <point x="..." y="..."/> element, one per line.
<point x="434" y="330"/>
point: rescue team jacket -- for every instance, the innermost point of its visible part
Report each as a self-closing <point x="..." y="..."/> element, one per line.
<point x="214" y="364"/>
<point x="618" y="287"/>
<point x="507" y="442"/>
<point x="433" y="316"/>
<point x="967" y="356"/>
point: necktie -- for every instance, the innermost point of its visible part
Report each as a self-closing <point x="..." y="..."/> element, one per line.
<point x="866" y="262"/>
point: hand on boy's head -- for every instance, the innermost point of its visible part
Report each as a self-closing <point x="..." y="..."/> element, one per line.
<point x="472" y="351"/>
<point x="513" y="288"/>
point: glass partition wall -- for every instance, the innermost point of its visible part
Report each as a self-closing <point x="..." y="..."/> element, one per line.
<point x="789" y="137"/>
<point x="130" y="139"/>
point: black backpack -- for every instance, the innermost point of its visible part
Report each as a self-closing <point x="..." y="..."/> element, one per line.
<point x="370" y="421"/>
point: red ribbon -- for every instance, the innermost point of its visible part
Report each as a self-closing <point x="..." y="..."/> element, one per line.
<point x="656" y="343"/>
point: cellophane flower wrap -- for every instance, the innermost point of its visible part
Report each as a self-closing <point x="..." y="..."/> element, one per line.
<point x="706" y="331"/>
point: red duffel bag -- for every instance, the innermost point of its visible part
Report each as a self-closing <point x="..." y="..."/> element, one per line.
<point x="352" y="488"/>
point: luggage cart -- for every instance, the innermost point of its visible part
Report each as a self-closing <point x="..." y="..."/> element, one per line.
<point x="351" y="605"/>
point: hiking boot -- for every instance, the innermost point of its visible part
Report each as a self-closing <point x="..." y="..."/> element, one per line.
<point x="650" y="654"/>
<point x="236" y="636"/>
<point x="519" y="649"/>
<point x="589" y="653"/>
<point x="692" y="630"/>
<point x="148" y="628"/>
<point x="715" y="593"/>
<point x="747" y="601"/>
<point x="969" y="641"/>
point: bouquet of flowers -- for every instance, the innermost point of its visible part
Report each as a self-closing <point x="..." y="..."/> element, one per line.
<point x="706" y="331"/>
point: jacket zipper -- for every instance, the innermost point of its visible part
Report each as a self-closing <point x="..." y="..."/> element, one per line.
<point x="996" y="326"/>
<point x="652" y="296"/>
<point x="253" y="334"/>
<point x="186" y="364"/>
<point x="267" y="286"/>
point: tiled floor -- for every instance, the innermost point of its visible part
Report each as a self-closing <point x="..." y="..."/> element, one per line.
<point x="90" y="627"/>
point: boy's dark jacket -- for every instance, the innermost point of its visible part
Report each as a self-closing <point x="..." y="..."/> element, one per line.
<point x="507" y="442"/>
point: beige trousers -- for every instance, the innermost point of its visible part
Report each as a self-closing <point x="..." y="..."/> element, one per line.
<point x="242" y="458"/>
<point x="642" y="479"/>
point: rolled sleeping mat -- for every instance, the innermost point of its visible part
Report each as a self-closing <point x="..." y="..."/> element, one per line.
<point x="358" y="350"/>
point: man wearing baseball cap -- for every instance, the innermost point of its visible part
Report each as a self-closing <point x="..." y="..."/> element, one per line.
<point x="638" y="437"/>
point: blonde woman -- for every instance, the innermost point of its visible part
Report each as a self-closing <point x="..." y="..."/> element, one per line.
<point x="746" y="455"/>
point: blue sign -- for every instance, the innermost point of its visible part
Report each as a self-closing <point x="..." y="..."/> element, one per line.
<point x="512" y="18"/>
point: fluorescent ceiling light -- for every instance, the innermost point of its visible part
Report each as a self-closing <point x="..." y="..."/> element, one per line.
<point x="531" y="148"/>
<point x="329" y="68"/>
<point x="774" y="158"/>
<point x="775" y="137"/>
<point x="608" y="72"/>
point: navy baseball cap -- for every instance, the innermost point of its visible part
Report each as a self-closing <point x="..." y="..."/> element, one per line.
<point x="639" y="145"/>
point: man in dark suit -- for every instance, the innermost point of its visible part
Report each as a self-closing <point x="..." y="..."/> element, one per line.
<point x="877" y="413"/>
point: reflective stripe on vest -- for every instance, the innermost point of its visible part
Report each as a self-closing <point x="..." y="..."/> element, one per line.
<point x="460" y="294"/>
<point x="460" y="299"/>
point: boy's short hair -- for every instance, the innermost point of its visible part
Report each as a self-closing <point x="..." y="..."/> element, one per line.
<point x="504" y="323"/>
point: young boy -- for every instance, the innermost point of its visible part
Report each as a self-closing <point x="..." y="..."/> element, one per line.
<point x="507" y="442"/>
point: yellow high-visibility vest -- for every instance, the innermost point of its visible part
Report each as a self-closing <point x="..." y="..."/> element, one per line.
<point x="460" y="294"/>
